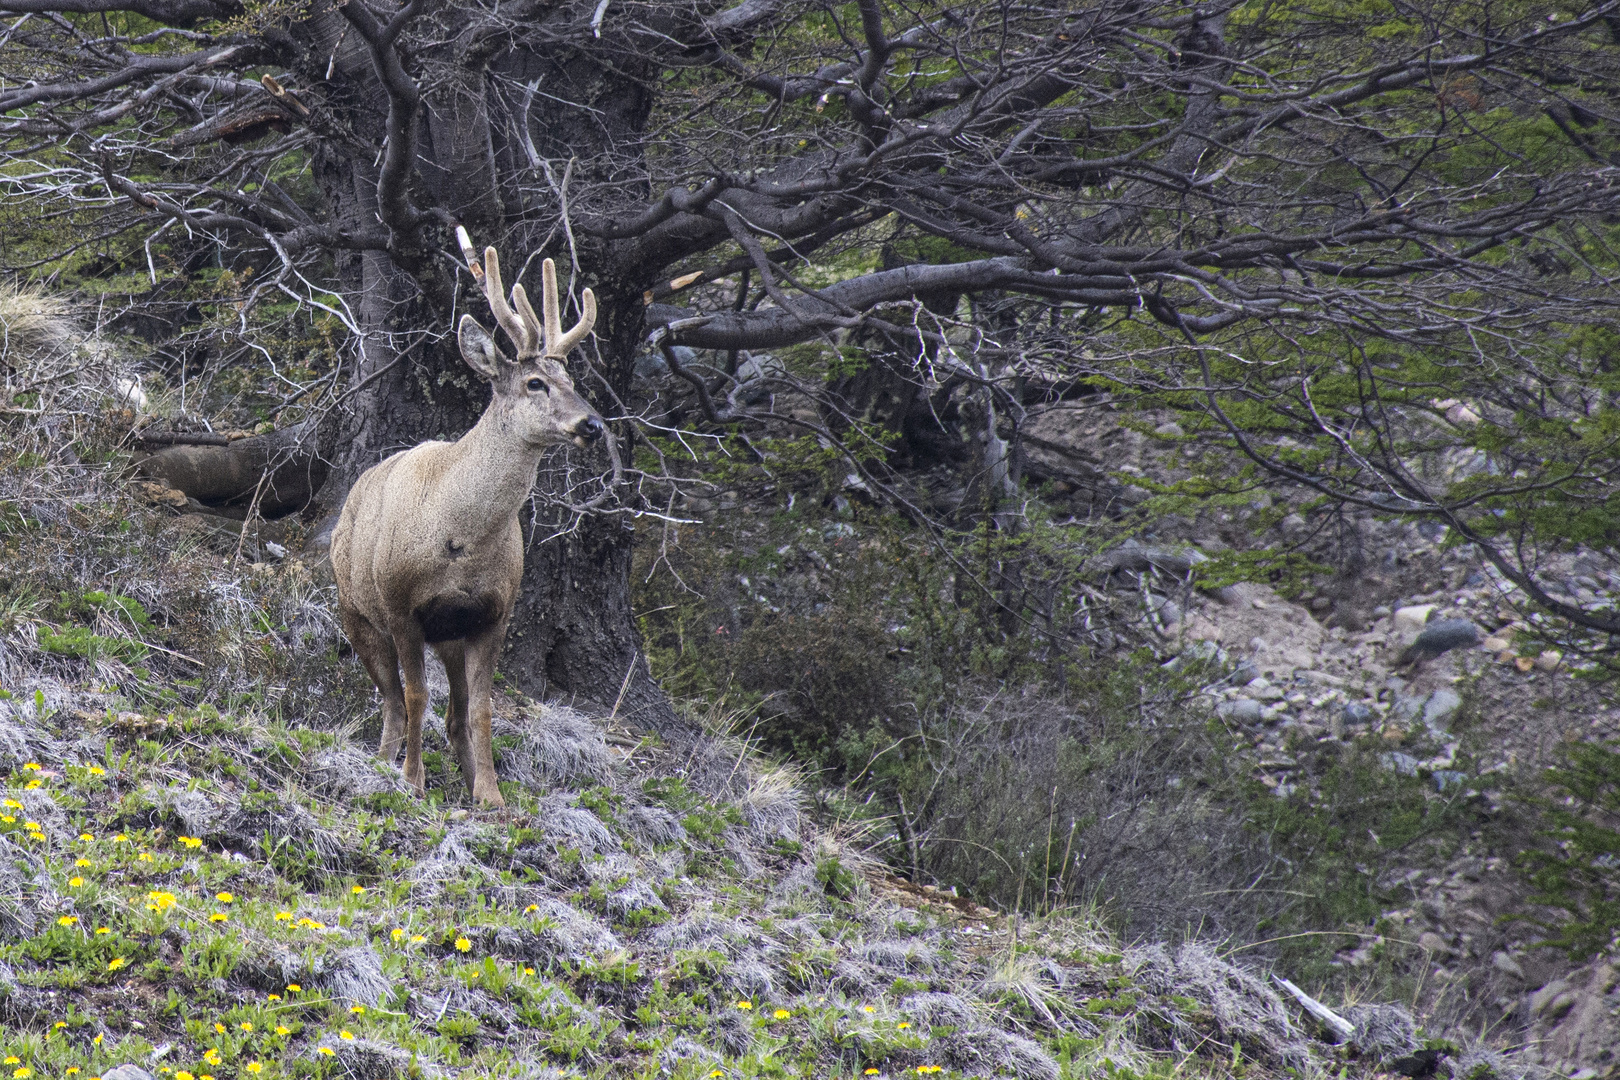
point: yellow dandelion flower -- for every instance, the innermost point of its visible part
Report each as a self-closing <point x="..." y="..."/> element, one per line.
<point x="745" y="1004"/>
<point x="531" y="909"/>
<point x="463" y="945"/>
<point x="211" y="1055"/>
<point x="13" y="1059"/>
<point x="245" y="1026"/>
<point x="96" y="1042"/>
<point x="224" y="897"/>
<point x="902" y="1025"/>
<point x="22" y="1073"/>
<point x="160" y="901"/>
<point x="219" y="1029"/>
<point x="872" y="1072"/>
<point x="397" y="934"/>
<point x="7" y="818"/>
<point x="75" y="882"/>
<point x="59" y="1025"/>
<point x="219" y="916"/>
<point x="97" y="770"/>
<point x="11" y="804"/>
<point x="717" y="1072"/>
<point x="417" y="939"/>
<point x="145" y="856"/>
<point x="868" y="1009"/>
<point x="32" y="766"/>
<point x="192" y="842"/>
<point x="67" y="920"/>
<point x="346" y="1034"/>
<point x="284" y="916"/>
<point x="33" y="784"/>
<point x="82" y="862"/>
<point x="204" y="1076"/>
<point x="72" y="1070"/>
<point x="86" y="837"/>
<point x="358" y="1010"/>
<point x="528" y="971"/>
<point x="294" y="987"/>
<point x="254" y="1067"/>
<point x="283" y="1029"/>
<point x="273" y="997"/>
<point x="358" y="889"/>
<point x="116" y="962"/>
<point x="781" y="1014"/>
<point x="327" y="1050"/>
<point x="183" y="1076"/>
<point x="103" y="929"/>
<point x="33" y="825"/>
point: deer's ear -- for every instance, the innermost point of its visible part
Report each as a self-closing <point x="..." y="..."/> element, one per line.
<point x="478" y="348"/>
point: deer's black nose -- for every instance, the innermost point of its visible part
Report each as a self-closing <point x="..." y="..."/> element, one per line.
<point x="589" y="429"/>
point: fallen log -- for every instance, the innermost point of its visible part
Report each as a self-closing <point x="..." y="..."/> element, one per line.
<point x="281" y="469"/>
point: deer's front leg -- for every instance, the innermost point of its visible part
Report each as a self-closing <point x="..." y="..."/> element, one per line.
<point x="408" y="643"/>
<point x="482" y="653"/>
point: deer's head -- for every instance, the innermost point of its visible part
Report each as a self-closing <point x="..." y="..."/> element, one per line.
<point x="533" y="390"/>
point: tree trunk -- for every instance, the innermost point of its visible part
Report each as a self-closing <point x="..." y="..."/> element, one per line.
<point x="572" y="634"/>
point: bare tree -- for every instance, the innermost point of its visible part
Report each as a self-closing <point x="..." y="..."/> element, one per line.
<point x="973" y="191"/>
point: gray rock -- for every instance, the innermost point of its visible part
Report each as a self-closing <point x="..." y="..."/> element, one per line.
<point x="1407" y="708"/>
<point x="1449" y="778"/>
<point x="1441" y="637"/>
<point x="127" y="1072"/>
<point x="1356" y="712"/>
<point x="1242" y="711"/>
<point x="1405" y="764"/>
<point x="1440" y="706"/>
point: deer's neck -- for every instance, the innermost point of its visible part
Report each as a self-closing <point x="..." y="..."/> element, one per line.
<point x="492" y="471"/>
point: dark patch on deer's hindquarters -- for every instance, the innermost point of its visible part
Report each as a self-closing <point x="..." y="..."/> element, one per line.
<point x="456" y="615"/>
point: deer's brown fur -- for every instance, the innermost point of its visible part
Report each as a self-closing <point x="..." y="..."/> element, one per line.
<point x="428" y="551"/>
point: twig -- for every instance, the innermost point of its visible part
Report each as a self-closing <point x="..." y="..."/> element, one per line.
<point x="1338" y="1024"/>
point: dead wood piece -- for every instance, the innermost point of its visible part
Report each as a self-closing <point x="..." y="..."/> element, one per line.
<point x="281" y="467"/>
<point x="182" y="438"/>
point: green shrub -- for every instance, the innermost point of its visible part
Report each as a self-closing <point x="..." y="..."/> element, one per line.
<point x="1578" y="872"/>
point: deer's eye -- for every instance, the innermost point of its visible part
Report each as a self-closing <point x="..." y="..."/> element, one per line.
<point x="537" y="385"/>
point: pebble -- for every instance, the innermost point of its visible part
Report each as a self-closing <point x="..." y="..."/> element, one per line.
<point x="1441" y="637"/>
<point x="1504" y="963"/>
<point x="1405" y="764"/>
<point x="1449" y="778"/>
<point x="1549" y="660"/>
<point x="1357" y="713"/>
<point x="1409" y="620"/>
<point x="1243" y="710"/>
<point x="1441" y="704"/>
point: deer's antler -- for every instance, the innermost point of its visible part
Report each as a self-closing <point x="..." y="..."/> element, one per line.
<point x="526" y="330"/>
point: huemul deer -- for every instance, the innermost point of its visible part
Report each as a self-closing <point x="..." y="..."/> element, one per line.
<point x="428" y="551"/>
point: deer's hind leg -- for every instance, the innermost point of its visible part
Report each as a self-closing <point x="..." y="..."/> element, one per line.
<point x="453" y="654"/>
<point x="376" y="652"/>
